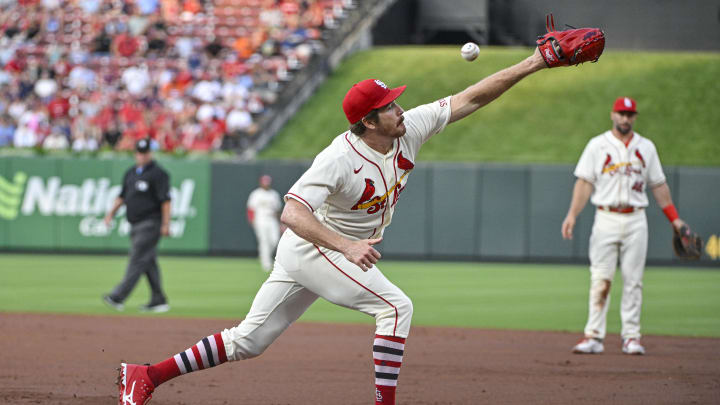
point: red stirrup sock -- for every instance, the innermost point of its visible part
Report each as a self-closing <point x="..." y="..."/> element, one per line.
<point x="387" y="354"/>
<point x="209" y="352"/>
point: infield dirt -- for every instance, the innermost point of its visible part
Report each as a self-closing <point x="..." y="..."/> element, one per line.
<point x="63" y="359"/>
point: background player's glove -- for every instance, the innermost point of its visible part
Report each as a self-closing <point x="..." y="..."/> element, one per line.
<point x="570" y="47"/>
<point x="687" y="244"/>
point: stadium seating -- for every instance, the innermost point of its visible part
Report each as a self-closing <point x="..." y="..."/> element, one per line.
<point x="112" y="71"/>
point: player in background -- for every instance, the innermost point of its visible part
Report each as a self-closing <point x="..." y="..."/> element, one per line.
<point x="336" y="212"/>
<point x="263" y="213"/>
<point x="616" y="168"/>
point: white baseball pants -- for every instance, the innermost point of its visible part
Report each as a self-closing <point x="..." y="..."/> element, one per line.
<point x="267" y="232"/>
<point x="304" y="272"/>
<point x="624" y="238"/>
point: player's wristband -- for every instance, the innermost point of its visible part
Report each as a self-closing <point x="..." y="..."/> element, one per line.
<point x="671" y="213"/>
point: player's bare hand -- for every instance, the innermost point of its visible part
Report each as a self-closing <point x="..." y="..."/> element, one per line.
<point x="567" y="227"/>
<point x="107" y="220"/>
<point x="362" y="253"/>
<point x="165" y="229"/>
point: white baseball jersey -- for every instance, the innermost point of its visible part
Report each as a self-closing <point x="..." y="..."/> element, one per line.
<point x="619" y="173"/>
<point x="353" y="189"/>
<point x="265" y="203"/>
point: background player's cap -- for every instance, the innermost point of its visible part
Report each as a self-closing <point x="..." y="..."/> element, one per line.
<point x="366" y="96"/>
<point x="143" y="145"/>
<point x="625" y="104"/>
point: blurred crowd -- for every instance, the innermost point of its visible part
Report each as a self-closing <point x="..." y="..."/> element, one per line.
<point x="194" y="75"/>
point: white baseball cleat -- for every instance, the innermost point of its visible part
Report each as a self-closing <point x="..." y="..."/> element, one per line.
<point x="632" y="346"/>
<point x="589" y="346"/>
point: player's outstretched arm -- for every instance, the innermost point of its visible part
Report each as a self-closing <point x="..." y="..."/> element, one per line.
<point x="580" y="197"/>
<point x="298" y="218"/>
<point x="488" y="89"/>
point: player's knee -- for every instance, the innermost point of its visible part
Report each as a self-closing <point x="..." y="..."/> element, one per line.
<point x="405" y="307"/>
<point x="396" y="317"/>
<point x="601" y="273"/>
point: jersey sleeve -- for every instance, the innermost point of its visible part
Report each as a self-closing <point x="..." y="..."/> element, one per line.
<point x="585" y="168"/>
<point x="426" y="120"/>
<point x="655" y="174"/>
<point x="318" y="182"/>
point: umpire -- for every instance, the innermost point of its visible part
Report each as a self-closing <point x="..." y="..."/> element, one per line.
<point x="146" y="195"/>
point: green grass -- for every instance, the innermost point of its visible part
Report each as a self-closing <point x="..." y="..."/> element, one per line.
<point x="677" y="301"/>
<point x="546" y="118"/>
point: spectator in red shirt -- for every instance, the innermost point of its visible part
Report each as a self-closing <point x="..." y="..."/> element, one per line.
<point x="125" y="45"/>
<point x="58" y="107"/>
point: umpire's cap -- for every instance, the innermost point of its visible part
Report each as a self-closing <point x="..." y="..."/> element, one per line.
<point x="366" y="96"/>
<point x="143" y="145"/>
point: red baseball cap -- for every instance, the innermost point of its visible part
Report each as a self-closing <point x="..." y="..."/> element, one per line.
<point x="366" y="96"/>
<point x="625" y="104"/>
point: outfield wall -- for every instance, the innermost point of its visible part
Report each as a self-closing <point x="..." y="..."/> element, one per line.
<point x="49" y="203"/>
<point x="448" y="211"/>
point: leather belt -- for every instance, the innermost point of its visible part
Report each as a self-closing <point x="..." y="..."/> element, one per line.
<point x="619" y="210"/>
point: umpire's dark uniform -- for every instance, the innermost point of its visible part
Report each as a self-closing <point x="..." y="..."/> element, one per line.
<point x="145" y="189"/>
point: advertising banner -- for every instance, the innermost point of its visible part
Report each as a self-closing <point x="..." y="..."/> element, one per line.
<point x="59" y="204"/>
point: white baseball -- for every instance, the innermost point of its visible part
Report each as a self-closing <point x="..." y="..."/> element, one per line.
<point x="470" y="51"/>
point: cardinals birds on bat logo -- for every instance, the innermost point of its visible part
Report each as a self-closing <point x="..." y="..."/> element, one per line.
<point x="374" y="203"/>
<point x="367" y="195"/>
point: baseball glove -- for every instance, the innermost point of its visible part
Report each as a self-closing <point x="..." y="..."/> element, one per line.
<point x="686" y="243"/>
<point x="570" y="47"/>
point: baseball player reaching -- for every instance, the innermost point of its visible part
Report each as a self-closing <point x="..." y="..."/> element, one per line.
<point x="336" y="213"/>
<point x="616" y="168"/>
<point x="263" y="212"/>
